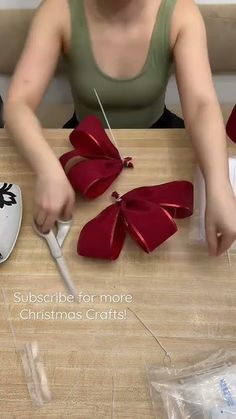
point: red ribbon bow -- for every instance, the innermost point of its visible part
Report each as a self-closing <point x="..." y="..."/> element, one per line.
<point x="146" y="213"/>
<point x="93" y="176"/>
<point x="231" y="125"/>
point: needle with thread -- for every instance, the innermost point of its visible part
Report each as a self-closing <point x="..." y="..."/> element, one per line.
<point x="106" y="119"/>
<point x="167" y="355"/>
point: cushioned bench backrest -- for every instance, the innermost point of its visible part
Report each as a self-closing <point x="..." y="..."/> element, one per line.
<point x="220" y="22"/>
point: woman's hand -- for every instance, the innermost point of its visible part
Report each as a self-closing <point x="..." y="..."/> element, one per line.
<point x="220" y="220"/>
<point x="54" y="199"/>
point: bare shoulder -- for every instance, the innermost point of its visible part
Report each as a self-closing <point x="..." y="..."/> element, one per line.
<point x="186" y="14"/>
<point x="54" y="16"/>
<point x="51" y="10"/>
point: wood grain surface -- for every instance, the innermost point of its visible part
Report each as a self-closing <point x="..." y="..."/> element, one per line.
<point x="97" y="369"/>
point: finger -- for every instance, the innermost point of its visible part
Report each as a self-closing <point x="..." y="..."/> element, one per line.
<point x="49" y="222"/>
<point x="40" y="218"/>
<point x="212" y="241"/>
<point x="225" y="241"/>
<point x="68" y="210"/>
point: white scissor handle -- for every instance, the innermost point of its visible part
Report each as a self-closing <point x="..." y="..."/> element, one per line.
<point x="51" y="241"/>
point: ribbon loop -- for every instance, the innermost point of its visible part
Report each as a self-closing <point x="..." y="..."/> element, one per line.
<point x="101" y="163"/>
<point x="146" y="213"/>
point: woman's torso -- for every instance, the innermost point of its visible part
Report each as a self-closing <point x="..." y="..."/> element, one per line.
<point x="128" y="62"/>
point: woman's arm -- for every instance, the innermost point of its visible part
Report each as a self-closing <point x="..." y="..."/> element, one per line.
<point x="54" y="196"/>
<point x="204" y="122"/>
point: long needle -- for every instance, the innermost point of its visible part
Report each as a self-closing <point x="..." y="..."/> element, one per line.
<point x="105" y="117"/>
<point x="167" y="355"/>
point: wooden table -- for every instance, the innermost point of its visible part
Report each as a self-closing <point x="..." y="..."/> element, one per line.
<point x="185" y="297"/>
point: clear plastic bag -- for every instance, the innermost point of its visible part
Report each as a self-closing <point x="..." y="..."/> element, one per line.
<point x="33" y="368"/>
<point x="35" y="374"/>
<point x="206" y="390"/>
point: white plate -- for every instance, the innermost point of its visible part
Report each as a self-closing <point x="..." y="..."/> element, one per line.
<point x="10" y="218"/>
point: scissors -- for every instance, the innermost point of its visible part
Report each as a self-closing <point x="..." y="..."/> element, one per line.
<point x="55" y="243"/>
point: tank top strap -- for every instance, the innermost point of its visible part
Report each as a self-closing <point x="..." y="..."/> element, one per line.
<point x="161" y="32"/>
<point x="77" y="18"/>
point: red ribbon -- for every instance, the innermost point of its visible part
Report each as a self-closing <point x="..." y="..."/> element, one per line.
<point x="146" y="213"/>
<point x="231" y="125"/>
<point x="93" y="176"/>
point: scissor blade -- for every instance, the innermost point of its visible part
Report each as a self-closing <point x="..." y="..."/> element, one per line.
<point x="66" y="276"/>
<point x="63" y="230"/>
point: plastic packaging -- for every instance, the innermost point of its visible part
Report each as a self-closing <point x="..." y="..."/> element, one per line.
<point x="35" y="374"/>
<point x="206" y="390"/>
<point x="33" y="368"/>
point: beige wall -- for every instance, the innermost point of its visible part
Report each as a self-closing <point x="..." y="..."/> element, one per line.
<point x="59" y="90"/>
<point x="32" y="3"/>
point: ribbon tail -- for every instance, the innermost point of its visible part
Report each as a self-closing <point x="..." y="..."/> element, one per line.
<point x="103" y="237"/>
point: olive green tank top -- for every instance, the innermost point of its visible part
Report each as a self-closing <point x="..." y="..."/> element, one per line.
<point x="129" y="103"/>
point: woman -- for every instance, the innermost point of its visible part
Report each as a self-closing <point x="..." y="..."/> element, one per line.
<point x="123" y="48"/>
